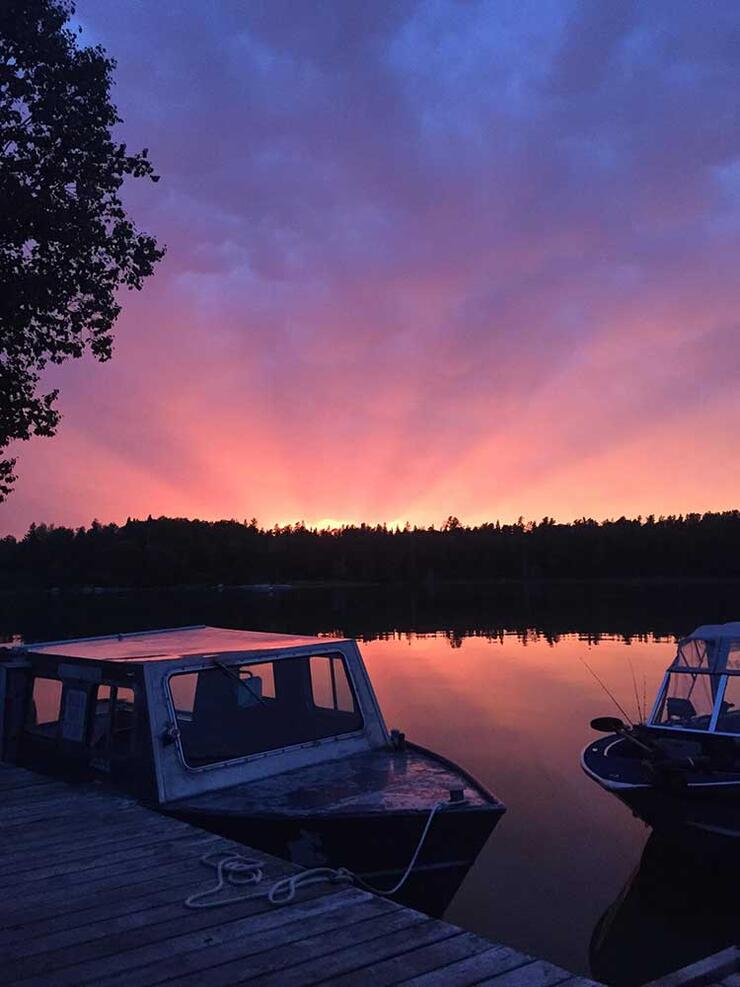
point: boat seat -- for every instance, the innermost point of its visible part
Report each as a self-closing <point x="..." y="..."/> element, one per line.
<point x="679" y="709"/>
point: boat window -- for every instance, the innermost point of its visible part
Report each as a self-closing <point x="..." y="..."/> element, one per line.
<point x="45" y="707"/>
<point x="733" y="657"/>
<point x="728" y="720"/>
<point x="182" y="692"/>
<point x="330" y="687"/>
<point x="228" y="712"/>
<point x="113" y="723"/>
<point x="695" y="653"/>
<point x="688" y="701"/>
<point x="260" y="680"/>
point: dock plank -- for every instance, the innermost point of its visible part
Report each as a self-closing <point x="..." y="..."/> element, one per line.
<point x="419" y="965"/>
<point x="322" y="966"/>
<point x="278" y="927"/>
<point x="92" y="890"/>
<point x="153" y="943"/>
<point x="705" y="972"/>
<point x="295" y="946"/>
<point x="16" y="865"/>
<point x="453" y="963"/>
<point x="536" y="974"/>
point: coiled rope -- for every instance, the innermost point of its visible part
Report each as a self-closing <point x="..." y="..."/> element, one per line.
<point x="236" y="870"/>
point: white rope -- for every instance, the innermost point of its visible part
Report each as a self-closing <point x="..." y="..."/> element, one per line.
<point x="236" y="870"/>
<point x="397" y="887"/>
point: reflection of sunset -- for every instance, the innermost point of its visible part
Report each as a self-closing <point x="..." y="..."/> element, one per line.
<point x="517" y="715"/>
<point x="508" y="684"/>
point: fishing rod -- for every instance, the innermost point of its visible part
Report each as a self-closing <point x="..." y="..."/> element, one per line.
<point x="613" y="698"/>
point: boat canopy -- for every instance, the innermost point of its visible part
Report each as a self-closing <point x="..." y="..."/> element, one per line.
<point x="701" y="688"/>
<point x="712" y="648"/>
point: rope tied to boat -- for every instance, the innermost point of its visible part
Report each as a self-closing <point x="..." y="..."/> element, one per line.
<point x="237" y="870"/>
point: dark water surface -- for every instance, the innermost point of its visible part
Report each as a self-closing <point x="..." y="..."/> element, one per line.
<point x="494" y="678"/>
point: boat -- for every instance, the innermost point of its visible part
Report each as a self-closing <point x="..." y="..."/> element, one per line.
<point x="681" y="768"/>
<point x="273" y="740"/>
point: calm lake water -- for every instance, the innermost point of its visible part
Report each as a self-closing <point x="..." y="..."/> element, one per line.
<point x="495" y="679"/>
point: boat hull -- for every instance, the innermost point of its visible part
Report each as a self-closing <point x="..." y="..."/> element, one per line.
<point x="378" y="848"/>
<point x="366" y="813"/>
<point x="700" y="802"/>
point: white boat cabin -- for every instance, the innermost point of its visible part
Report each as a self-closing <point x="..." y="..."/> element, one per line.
<point x="700" y="692"/>
<point x="174" y="713"/>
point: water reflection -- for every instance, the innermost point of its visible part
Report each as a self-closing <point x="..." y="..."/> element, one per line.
<point x="681" y="903"/>
<point x="515" y="711"/>
<point x="491" y="677"/>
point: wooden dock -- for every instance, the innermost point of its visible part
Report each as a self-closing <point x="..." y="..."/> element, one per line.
<point x="92" y="890"/>
<point x="719" y="970"/>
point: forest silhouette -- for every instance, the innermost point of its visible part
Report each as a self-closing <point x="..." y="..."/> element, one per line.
<point x="160" y="552"/>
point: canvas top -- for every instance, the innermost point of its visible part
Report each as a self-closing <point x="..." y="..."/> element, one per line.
<point x="174" y="643"/>
<point x="715" y="632"/>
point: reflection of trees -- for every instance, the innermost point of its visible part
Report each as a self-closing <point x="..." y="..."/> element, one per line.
<point x="628" y="612"/>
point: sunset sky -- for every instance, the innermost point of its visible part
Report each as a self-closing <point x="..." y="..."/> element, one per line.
<point x="424" y="258"/>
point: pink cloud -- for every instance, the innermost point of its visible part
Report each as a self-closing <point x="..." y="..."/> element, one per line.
<point x="423" y="258"/>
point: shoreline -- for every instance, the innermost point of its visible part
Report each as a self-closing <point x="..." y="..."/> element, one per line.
<point x="427" y="586"/>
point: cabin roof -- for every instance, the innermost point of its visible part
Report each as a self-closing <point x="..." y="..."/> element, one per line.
<point x="173" y="643"/>
<point x="716" y="632"/>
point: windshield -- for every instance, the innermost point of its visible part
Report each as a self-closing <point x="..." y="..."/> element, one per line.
<point x="688" y="701"/>
<point x="695" y="653"/>
<point x="729" y="714"/>
<point x="227" y="712"/>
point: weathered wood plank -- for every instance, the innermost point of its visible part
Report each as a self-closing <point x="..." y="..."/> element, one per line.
<point x="131" y="858"/>
<point x="245" y="941"/>
<point x="83" y="964"/>
<point x="164" y="891"/>
<point x="18" y="795"/>
<point x="66" y="818"/>
<point x="295" y="944"/>
<point x="107" y="887"/>
<point x="320" y="968"/>
<point x="131" y="921"/>
<point x="52" y="838"/>
<point x="536" y="974"/>
<point x="711" y="969"/>
<point x="466" y="959"/>
<point x="68" y="797"/>
<point x="91" y="846"/>
<point x="27" y="830"/>
<point x="12" y="774"/>
<point x="122" y="872"/>
<point x="73" y="909"/>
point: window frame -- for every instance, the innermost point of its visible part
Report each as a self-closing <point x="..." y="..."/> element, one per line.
<point x="716" y="709"/>
<point x="275" y="751"/>
<point x="108" y="751"/>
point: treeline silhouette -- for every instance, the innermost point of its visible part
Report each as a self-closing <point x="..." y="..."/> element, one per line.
<point x="159" y="552"/>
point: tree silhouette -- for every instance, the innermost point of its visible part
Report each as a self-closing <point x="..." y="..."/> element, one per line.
<point x="177" y="551"/>
<point x="66" y="242"/>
